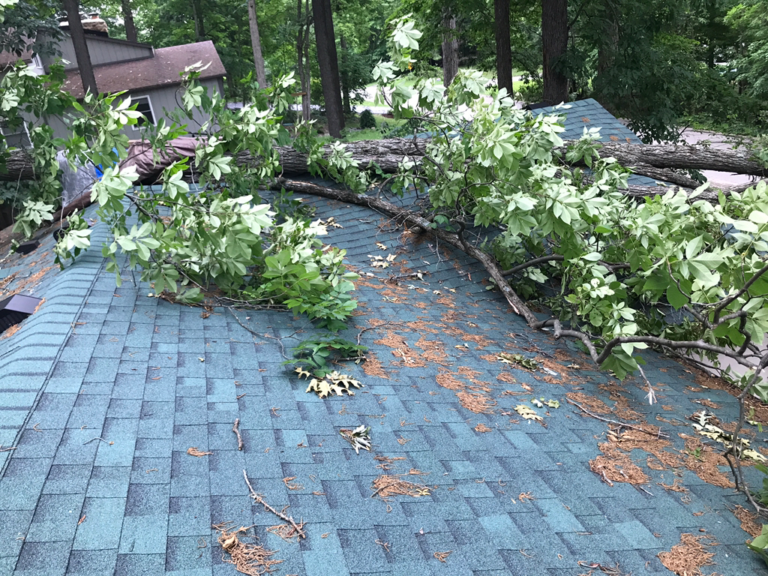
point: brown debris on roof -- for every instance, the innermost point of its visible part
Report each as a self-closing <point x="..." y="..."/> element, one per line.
<point x="249" y="559"/>
<point x="704" y="462"/>
<point x="616" y="466"/>
<point x="749" y="521"/>
<point x="400" y="349"/>
<point x="372" y="366"/>
<point x="687" y="558"/>
<point x="477" y="403"/>
<point x="388" y="485"/>
<point x="593" y="404"/>
<point x="448" y="380"/>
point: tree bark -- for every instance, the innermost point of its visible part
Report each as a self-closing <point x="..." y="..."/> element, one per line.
<point x="450" y="49"/>
<point x="306" y="99"/>
<point x="345" y="77"/>
<point x="85" y="68"/>
<point x="503" y="46"/>
<point x="130" y="27"/>
<point x="197" y="14"/>
<point x="258" y="58"/>
<point x="554" y="40"/>
<point x="652" y="160"/>
<point x="301" y="39"/>
<point x="327" y="59"/>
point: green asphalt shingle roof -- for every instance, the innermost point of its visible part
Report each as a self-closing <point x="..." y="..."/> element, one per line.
<point x="98" y="361"/>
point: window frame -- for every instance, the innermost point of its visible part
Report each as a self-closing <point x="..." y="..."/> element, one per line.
<point x="24" y="133"/>
<point x="138" y="127"/>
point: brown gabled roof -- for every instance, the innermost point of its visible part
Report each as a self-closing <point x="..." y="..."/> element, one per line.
<point x="156" y="72"/>
<point x="9" y="58"/>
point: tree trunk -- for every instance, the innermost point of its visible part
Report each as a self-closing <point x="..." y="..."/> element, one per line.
<point x="130" y="27"/>
<point x="258" y="58"/>
<point x="328" y="61"/>
<point x="607" y="50"/>
<point x="81" y="46"/>
<point x="197" y="14"/>
<point x="306" y="100"/>
<point x="554" y="40"/>
<point x="651" y="160"/>
<point x="450" y="49"/>
<point x="503" y="47"/>
<point x="345" y="77"/>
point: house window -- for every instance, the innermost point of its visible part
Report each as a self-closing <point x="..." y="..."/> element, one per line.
<point x="16" y="137"/>
<point x="144" y="105"/>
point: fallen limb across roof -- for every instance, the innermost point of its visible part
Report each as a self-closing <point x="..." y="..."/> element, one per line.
<point x="654" y="161"/>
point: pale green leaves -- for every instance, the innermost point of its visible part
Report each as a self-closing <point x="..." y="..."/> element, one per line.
<point x="33" y="215"/>
<point x="405" y="35"/>
<point x="113" y="184"/>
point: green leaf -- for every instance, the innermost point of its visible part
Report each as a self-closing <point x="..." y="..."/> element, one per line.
<point x="675" y="297"/>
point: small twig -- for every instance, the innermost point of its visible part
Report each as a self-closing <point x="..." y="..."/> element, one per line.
<point x="8" y="449"/>
<point x="651" y="392"/>
<point x="258" y="498"/>
<point x="236" y="430"/>
<point x="658" y="434"/>
<point x="94" y="438"/>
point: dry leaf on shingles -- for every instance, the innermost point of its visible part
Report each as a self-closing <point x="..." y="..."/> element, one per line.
<point x="360" y="437"/>
<point x="701" y="423"/>
<point x="443" y="556"/>
<point x="528" y="413"/>
<point x="482" y="428"/>
<point x="517" y="359"/>
<point x="333" y="383"/>
<point x="193" y="451"/>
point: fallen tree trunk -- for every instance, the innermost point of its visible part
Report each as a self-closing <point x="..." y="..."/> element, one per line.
<point x="654" y="161"/>
<point x="18" y="166"/>
<point x="683" y="157"/>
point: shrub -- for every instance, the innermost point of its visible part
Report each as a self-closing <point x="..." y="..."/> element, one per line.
<point x="367" y="120"/>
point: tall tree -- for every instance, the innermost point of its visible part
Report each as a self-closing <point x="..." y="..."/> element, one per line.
<point x="328" y="61"/>
<point x="258" y="58"/>
<point x="80" y="45"/>
<point x="302" y="56"/>
<point x="197" y="14"/>
<point x="345" y="76"/>
<point x="503" y="45"/>
<point x="130" y="27"/>
<point x="450" y="48"/>
<point x="554" y="39"/>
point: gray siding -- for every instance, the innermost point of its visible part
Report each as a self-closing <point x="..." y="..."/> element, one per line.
<point x="163" y="101"/>
<point x="101" y="50"/>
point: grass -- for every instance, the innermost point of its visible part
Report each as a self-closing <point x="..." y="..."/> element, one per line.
<point x="355" y="135"/>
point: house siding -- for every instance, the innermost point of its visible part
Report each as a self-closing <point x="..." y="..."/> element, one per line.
<point x="101" y="50"/>
<point x="163" y="102"/>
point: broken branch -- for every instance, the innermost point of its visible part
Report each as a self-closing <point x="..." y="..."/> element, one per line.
<point x="658" y="434"/>
<point x="258" y="498"/>
<point x="236" y="430"/>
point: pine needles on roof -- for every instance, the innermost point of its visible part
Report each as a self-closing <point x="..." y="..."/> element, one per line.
<point x="687" y="558"/>
<point x="249" y="559"/>
<point x="388" y="485"/>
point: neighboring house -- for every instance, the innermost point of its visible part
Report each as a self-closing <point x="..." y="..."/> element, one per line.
<point x="149" y="75"/>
